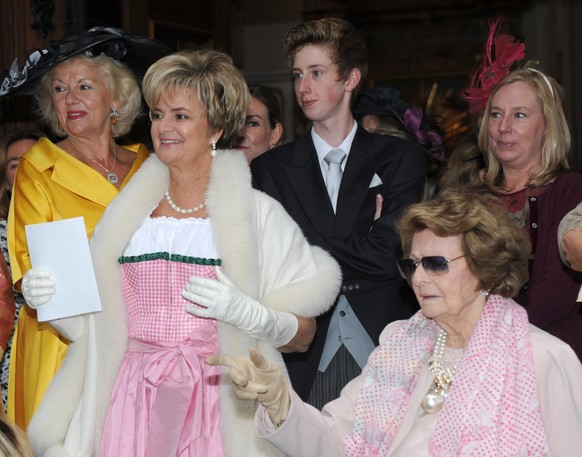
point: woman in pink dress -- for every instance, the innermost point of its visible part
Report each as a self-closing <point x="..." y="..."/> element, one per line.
<point x="190" y="260"/>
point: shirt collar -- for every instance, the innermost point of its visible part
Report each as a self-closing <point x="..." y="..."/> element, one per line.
<point x="322" y="147"/>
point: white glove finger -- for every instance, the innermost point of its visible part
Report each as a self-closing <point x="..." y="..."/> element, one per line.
<point x="38" y="283"/>
<point x="199" y="311"/>
<point x="38" y="301"/>
<point x="203" y="291"/>
<point x="221" y="276"/>
<point x="36" y="274"/>
<point x="38" y="287"/>
<point x="40" y="292"/>
<point x="203" y="283"/>
<point x="196" y="298"/>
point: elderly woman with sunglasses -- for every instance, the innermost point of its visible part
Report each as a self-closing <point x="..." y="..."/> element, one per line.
<point x="466" y="375"/>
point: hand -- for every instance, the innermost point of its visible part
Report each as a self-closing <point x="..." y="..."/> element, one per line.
<point x="572" y="248"/>
<point x="220" y="299"/>
<point x="258" y="379"/>
<point x="37" y="287"/>
<point x="379" y="202"/>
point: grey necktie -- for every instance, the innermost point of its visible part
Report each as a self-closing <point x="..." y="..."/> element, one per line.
<point x="333" y="178"/>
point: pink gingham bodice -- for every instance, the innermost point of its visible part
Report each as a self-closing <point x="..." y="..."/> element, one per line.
<point x="158" y="261"/>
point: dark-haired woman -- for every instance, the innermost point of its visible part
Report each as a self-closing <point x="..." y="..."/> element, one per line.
<point x="263" y="128"/>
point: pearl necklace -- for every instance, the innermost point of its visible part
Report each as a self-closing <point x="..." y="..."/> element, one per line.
<point x="176" y="208"/>
<point x="443" y="378"/>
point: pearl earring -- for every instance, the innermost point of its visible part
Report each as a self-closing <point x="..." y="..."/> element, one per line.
<point x="213" y="150"/>
<point x="485" y="293"/>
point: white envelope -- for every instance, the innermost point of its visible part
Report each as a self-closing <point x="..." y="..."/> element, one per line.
<point x="62" y="248"/>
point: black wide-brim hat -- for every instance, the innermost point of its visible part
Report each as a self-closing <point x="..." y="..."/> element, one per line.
<point x="138" y="53"/>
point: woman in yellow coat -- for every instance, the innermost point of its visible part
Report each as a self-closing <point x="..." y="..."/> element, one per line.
<point x="89" y="95"/>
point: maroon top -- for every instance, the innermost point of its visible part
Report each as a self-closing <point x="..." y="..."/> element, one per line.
<point x="550" y="294"/>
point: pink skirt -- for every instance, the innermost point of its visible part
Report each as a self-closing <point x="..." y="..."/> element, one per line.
<point x="165" y="401"/>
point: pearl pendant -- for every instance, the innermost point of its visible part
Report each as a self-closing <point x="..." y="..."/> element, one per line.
<point x="433" y="402"/>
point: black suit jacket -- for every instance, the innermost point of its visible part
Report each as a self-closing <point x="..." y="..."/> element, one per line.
<point x="366" y="251"/>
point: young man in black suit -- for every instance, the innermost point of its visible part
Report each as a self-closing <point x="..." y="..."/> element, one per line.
<point x="334" y="202"/>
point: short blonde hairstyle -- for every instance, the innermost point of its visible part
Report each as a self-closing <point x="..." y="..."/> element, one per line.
<point x="120" y="81"/>
<point x="496" y="248"/>
<point x="211" y="75"/>
<point x="557" y="140"/>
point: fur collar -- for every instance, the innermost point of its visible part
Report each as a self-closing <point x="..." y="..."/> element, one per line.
<point x="79" y="395"/>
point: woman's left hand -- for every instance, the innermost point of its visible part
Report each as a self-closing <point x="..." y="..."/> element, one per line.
<point x="255" y="378"/>
<point x="220" y="299"/>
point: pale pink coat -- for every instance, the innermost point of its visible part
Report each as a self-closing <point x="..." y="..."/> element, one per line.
<point x="308" y="432"/>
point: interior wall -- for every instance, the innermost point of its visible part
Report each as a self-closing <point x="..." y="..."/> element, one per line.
<point x="263" y="25"/>
<point x="17" y="38"/>
<point x="263" y="63"/>
<point x="553" y="37"/>
<point x="252" y="32"/>
<point x="550" y="29"/>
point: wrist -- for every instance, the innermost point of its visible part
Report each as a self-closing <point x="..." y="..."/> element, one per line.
<point x="278" y="408"/>
<point x="286" y="326"/>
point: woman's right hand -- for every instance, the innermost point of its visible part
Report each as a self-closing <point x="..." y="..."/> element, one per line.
<point x="255" y="378"/>
<point x="38" y="287"/>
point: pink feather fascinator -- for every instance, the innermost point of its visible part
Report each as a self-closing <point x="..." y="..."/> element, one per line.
<point x="501" y="52"/>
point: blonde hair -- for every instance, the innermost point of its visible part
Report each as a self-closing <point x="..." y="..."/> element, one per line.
<point x="211" y="75"/>
<point x="120" y="81"/>
<point x="557" y="139"/>
<point x="13" y="442"/>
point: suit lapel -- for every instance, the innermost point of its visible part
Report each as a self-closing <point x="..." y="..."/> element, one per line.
<point x="305" y="180"/>
<point x="356" y="179"/>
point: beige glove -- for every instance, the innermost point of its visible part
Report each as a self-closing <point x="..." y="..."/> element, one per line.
<point x="258" y="379"/>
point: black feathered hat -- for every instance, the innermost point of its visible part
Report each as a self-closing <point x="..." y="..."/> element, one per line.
<point x="385" y="101"/>
<point x="138" y="53"/>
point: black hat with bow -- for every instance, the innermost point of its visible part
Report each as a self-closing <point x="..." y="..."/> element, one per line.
<point x="138" y="53"/>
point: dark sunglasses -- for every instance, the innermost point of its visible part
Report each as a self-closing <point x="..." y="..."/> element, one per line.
<point x="433" y="265"/>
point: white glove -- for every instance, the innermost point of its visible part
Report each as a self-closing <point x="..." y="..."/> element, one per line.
<point x="37" y="287"/>
<point x="258" y="379"/>
<point x="220" y="299"/>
